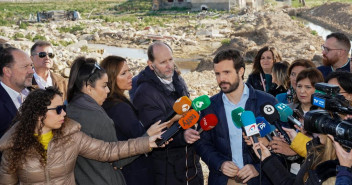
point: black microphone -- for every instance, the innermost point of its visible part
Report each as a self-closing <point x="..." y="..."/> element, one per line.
<point x="272" y="116"/>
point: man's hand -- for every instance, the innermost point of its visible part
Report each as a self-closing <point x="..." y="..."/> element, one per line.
<point x="229" y="168"/>
<point x="247" y="172"/>
<point x="191" y="135"/>
<point x="279" y="146"/>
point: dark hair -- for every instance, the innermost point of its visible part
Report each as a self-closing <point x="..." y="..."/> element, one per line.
<point x="6" y="56"/>
<point x="344" y="78"/>
<point x="257" y="68"/>
<point x="32" y="111"/>
<point x="113" y="66"/>
<point x="150" y="51"/>
<point x="299" y="62"/>
<point x="80" y="75"/>
<point x="231" y="54"/>
<point x="314" y="76"/>
<point x="39" y="43"/>
<point x="341" y="39"/>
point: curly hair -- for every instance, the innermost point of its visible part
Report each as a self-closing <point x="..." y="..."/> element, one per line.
<point x="26" y="122"/>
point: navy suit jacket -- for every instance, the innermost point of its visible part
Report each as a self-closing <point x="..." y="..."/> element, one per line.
<point x="214" y="146"/>
<point x="8" y="111"/>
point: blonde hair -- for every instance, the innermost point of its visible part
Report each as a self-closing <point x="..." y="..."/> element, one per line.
<point x="280" y="72"/>
<point x="322" y="153"/>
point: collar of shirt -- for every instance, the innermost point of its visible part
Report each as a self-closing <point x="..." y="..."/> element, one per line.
<point x="15" y="96"/>
<point x="235" y="134"/>
<point x="243" y="100"/>
<point x="41" y="82"/>
<point x="345" y="67"/>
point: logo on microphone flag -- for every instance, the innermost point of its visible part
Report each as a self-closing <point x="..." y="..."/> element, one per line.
<point x="251" y="129"/>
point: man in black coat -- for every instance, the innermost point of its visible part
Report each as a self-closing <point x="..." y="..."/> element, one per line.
<point x="16" y="74"/>
<point x="158" y="87"/>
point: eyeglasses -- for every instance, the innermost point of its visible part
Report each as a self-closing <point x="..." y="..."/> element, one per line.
<point x="326" y="49"/>
<point x="96" y="66"/>
<point x="43" y="54"/>
<point x="59" y="109"/>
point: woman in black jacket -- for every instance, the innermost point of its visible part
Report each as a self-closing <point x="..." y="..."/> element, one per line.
<point x="124" y="115"/>
<point x="261" y="78"/>
<point x="318" y="168"/>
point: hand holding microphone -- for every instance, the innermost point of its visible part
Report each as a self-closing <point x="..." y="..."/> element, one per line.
<point x="188" y="120"/>
<point x="250" y="126"/>
<point x="270" y="113"/>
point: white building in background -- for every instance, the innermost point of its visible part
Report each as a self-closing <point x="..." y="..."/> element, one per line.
<point x="207" y="4"/>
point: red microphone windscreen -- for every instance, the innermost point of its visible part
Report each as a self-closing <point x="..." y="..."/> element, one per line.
<point x="208" y="122"/>
<point x="189" y="119"/>
<point x="182" y="105"/>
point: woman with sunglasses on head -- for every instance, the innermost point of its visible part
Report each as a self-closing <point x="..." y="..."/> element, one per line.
<point x="124" y="115"/>
<point x="261" y="76"/>
<point x="43" y="145"/>
<point x="87" y="90"/>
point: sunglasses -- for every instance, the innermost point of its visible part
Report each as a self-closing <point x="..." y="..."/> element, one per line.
<point x="43" y="54"/>
<point x="59" y="109"/>
<point x="96" y="66"/>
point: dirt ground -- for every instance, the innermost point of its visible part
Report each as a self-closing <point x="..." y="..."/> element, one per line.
<point x="334" y="16"/>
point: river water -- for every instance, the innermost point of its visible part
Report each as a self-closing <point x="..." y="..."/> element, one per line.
<point x="320" y="30"/>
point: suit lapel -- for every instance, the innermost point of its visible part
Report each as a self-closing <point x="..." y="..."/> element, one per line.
<point x="6" y="99"/>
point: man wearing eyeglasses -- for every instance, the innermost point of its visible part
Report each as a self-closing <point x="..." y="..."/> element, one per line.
<point x="335" y="54"/>
<point x="16" y="75"/>
<point x="42" y="56"/>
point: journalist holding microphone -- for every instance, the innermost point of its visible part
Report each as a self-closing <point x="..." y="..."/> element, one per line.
<point x="124" y="115"/>
<point x="42" y="146"/>
<point x="87" y="91"/>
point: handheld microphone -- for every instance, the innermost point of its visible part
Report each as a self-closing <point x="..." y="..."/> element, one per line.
<point x="188" y="120"/>
<point x="264" y="128"/>
<point x="201" y="103"/>
<point x="273" y="131"/>
<point x="180" y="106"/>
<point x="208" y="122"/>
<point x="286" y="114"/>
<point x="250" y="126"/>
<point x="236" y="117"/>
<point x="270" y="113"/>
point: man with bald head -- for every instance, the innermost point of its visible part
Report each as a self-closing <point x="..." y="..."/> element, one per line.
<point x="16" y="75"/>
<point x="158" y="87"/>
<point x="335" y="54"/>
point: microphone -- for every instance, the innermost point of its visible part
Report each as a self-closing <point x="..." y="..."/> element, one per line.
<point x="208" y="122"/>
<point x="180" y="106"/>
<point x="270" y="113"/>
<point x="188" y="120"/>
<point x="264" y="128"/>
<point x="286" y="114"/>
<point x="236" y="117"/>
<point x="250" y="126"/>
<point x="201" y="103"/>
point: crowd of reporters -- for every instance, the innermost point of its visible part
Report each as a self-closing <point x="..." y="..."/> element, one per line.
<point x="283" y="126"/>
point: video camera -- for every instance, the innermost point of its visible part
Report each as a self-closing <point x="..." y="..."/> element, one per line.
<point x="327" y="97"/>
<point x="322" y="121"/>
<point x="328" y="121"/>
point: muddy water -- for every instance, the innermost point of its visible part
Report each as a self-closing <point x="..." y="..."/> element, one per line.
<point x="185" y="65"/>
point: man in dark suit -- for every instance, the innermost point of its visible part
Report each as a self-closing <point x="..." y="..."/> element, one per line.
<point x="16" y="74"/>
